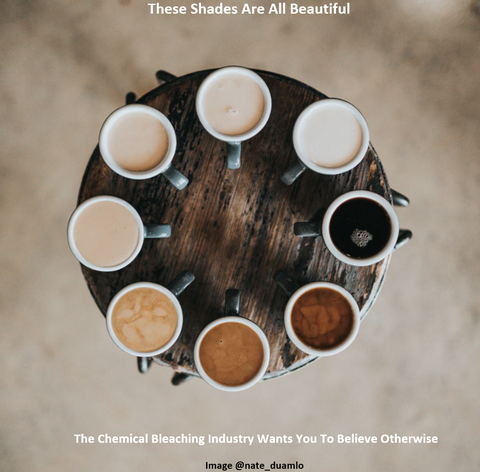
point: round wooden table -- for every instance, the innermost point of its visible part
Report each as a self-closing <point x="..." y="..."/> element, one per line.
<point x="234" y="228"/>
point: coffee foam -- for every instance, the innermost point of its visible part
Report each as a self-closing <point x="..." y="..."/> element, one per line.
<point x="322" y="318"/>
<point x="137" y="141"/>
<point x="231" y="354"/>
<point x="144" y="319"/>
<point x="106" y="233"/>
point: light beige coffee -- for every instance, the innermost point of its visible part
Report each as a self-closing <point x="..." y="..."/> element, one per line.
<point x="106" y="233"/>
<point x="233" y="103"/>
<point x="137" y="141"/>
<point x="144" y="319"/>
<point x="231" y="354"/>
<point x="330" y="135"/>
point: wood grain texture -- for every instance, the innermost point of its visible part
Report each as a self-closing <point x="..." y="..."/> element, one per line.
<point x="234" y="228"/>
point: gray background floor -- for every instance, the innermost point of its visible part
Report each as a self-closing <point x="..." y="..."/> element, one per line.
<point x="412" y="67"/>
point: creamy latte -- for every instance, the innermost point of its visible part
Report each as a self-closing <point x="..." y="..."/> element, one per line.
<point x="144" y="319"/>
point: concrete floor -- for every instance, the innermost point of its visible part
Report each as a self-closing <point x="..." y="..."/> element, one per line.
<point x="413" y="68"/>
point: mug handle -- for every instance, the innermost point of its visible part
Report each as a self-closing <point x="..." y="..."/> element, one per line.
<point x="399" y="199"/>
<point x="143" y="364"/>
<point x="181" y="282"/>
<point x="234" y="151"/>
<point x="232" y="302"/>
<point x="176" y="178"/>
<point x="163" y="76"/>
<point x="293" y="172"/>
<point x="307" y="229"/>
<point x="130" y="98"/>
<point x="157" y="231"/>
<point x="285" y="283"/>
<point x="404" y="236"/>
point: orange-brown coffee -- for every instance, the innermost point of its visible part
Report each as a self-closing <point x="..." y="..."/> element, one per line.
<point x="231" y="354"/>
<point x="144" y="319"/>
<point x="322" y="318"/>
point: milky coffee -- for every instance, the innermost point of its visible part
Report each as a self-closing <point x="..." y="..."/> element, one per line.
<point x="144" y="319"/>
<point x="329" y="135"/>
<point x="137" y="141"/>
<point x="106" y="233"/>
<point x="231" y="354"/>
<point x="233" y="103"/>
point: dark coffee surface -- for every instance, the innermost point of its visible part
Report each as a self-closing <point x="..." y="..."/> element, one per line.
<point x="360" y="228"/>
<point x="322" y="318"/>
<point x="231" y="354"/>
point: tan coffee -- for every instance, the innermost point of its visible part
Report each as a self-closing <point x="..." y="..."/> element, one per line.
<point x="322" y="318"/>
<point x="144" y="319"/>
<point x="137" y="141"/>
<point x="233" y="103"/>
<point x="231" y="354"/>
<point x="106" y="233"/>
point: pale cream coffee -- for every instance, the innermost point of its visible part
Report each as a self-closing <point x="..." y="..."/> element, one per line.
<point x="329" y="135"/>
<point x="106" y="233"/>
<point x="137" y="141"/>
<point x="144" y="319"/>
<point x="233" y="103"/>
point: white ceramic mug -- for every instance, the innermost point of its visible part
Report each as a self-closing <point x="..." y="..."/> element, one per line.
<point x="231" y="308"/>
<point x="294" y="292"/>
<point x="174" y="289"/>
<point x="316" y="229"/>
<point x="144" y="231"/>
<point x="296" y="169"/>
<point x="164" y="167"/>
<point x="234" y="141"/>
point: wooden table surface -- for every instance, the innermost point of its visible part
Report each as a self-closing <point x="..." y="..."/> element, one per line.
<point x="234" y="228"/>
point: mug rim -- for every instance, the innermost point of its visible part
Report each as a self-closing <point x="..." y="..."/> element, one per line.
<point x="159" y="288"/>
<point x="267" y="108"/>
<point x="359" y="156"/>
<point x="107" y="156"/>
<point x="321" y="352"/>
<point x="266" y="353"/>
<point x="395" y="228"/>
<point x="76" y="214"/>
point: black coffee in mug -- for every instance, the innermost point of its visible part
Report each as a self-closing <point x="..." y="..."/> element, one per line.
<point x="360" y="228"/>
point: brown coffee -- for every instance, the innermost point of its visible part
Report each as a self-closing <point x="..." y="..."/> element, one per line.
<point x="322" y="318"/>
<point x="144" y="319"/>
<point x="231" y="354"/>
